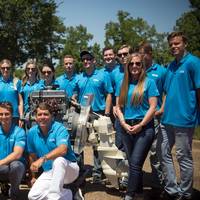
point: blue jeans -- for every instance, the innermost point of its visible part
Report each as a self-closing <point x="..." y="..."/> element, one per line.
<point x="182" y="138"/>
<point x="136" y="148"/>
<point x="154" y="156"/>
<point x="13" y="173"/>
<point x="118" y="135"/>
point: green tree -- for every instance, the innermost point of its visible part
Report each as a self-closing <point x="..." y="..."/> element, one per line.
<point x="77" y="39"/>
<point x="189" y="23"/>
<point x="29" y="29"/>
<point x="132" y="31"/>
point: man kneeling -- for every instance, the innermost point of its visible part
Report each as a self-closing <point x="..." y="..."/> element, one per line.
<point x="49" y="147"/>
<point x="12" y="144"/>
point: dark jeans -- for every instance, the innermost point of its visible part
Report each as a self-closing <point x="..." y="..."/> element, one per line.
<point x="118" y="135"/>
<point x="13" y="173"/>
<point x="136" y="148"/>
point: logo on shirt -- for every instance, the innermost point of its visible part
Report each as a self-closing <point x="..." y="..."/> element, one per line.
<point x="52" y="140"/>
<point x="155" y="75"/>
<point x="181" y="71"/>
<point x="96" y="80"/>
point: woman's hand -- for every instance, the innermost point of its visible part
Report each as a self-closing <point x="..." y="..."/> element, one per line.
<point x="136" y="129"/>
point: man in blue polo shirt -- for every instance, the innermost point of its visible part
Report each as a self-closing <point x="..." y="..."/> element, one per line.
<point x="49" y="147"/>
<point x="182" y="86"/>
<point x="157" y="73"/>
<point x="68" y="80"/>
<point x="12" y="144"/>
<point x="95" y="82"/>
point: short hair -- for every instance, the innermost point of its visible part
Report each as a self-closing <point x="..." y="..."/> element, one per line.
<point x="146" y="46"/>
<point x="44" y="106"/>
<point x="68" y="56"/>
<point x="7" y="105"/>
<point x="6" y="61"/>
<point x="177" y="34"/>
<point x="108" y="48"/>
<point x="130" y="49"/>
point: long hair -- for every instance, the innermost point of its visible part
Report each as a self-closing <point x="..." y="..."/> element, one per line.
<point x="137" y="95"/>
<point x="25" y="77"/>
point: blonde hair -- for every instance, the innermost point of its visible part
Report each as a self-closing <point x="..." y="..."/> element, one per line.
<point x="25" y="77"/>
<point x="137" y="95"/>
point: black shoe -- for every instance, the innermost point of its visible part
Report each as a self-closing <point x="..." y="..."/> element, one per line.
<point x="166" y="196"/>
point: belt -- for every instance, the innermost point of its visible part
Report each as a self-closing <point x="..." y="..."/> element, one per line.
<point x="133" y="122"/>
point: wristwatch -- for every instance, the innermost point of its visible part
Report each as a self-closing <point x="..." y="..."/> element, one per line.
<point x="44" y="158"/>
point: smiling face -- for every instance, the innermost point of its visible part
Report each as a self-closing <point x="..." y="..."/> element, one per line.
<point x="47" y="74"/>
<point x="43" y="118"/>
<point x="31" y="70"/>
<point x="5" y="118"/>
<point x="109" y="57"/>
<point x="135" y="67"/>
<point x="177" y="46"/>
<point x="6" y="70"/>
<point x="123" y="55"/>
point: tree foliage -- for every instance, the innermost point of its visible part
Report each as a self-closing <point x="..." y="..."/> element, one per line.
<point x="189" y="23"/>
<point x="29" y="29"/>
<point x="132" y="31"/>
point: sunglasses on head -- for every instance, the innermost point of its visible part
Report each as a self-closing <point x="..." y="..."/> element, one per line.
<point x="122" y="54"/>
<point x="135" y="63"/>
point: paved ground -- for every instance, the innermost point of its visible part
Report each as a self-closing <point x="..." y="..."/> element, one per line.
<point x="105" y="191"/>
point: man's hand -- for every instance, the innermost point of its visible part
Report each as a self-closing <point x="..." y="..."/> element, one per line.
<point x="37" y="164"/>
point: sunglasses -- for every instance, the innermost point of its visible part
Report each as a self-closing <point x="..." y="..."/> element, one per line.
<point x="46" y="72"/>
<point x="32" y="69"/>
<point x="6" y="68"/>
<point x="135" y="63"/>
<point x="69" y="63"/>
<point x="122" y="54"/>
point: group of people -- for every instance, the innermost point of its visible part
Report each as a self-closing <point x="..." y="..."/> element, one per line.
<point x="152" y="108"/>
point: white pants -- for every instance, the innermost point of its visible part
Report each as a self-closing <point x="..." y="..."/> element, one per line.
<point x="49" y="185"/>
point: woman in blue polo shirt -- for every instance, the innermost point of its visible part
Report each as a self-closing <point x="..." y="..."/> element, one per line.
<point x="48" y="74"/>
<point x="10" y="90"/>
<point x="30" y="82"/>
<point x="136" y="105"/>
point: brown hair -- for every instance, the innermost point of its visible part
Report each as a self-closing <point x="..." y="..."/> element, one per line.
<point x="7" y="105"/>
<point x="146" y="47"/>
<point x="137" y="95"/>
<point x="44" y="106"/>
<point x="177" y="34"/>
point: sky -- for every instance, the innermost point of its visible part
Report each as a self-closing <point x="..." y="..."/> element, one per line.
<point x="94" y="14"/>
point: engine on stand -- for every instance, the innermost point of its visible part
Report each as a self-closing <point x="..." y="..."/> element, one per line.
<point x="84" y="129"/>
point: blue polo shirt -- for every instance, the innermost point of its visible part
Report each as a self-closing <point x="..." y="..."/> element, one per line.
<point x="41" y="145"/>
<point x="157" y="73"/>
<point x="117" y="76"/>
<point x="138" y="112"/>
<point x="98" y="84"/>
<point x="27" y="89"/>
<point x="16" y="137"/>
<point x="10" y="92"/>
<point x="182" y="80"/>
<point x="67" y="84"/>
